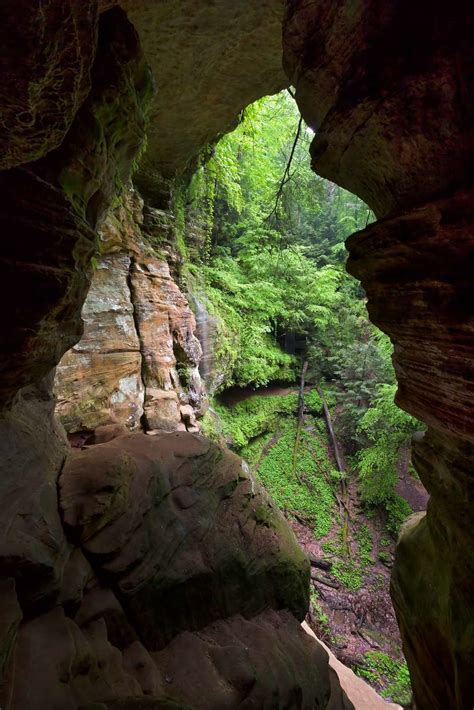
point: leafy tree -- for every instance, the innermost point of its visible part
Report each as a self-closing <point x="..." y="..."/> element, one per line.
<point x="269" y="260"/>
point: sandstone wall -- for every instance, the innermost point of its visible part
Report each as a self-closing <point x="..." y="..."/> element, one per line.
<point x="387" y="88"/>
<point x="136" y="364"/>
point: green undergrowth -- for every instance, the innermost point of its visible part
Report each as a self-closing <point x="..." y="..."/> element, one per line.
<point x="259" y="414"/>
<point x="351" y="562"/>
<point x="304" y="492"/>
<point x="321" y="618"/>
<point x="389" y="674"/>
<point x="263" y="430"/>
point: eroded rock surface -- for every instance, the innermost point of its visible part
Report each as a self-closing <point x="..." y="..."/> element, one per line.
<point x="391" y="126"/>
<point x="242" y="662"/>
<point x="33" y="547"/>
<point x="180" y="590"/>
<point x="46" y="56"/>
<point x="184" y="533"/>
<point x="98" y="381"/>
<point x="228" y="56"/>
<point x="394" y="127"/>
<point x="139" y="353"/>
<point x="52" y="207"/>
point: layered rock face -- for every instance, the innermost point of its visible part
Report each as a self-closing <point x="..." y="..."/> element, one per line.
<point x="52" y="206"/>
<point x="393" y="126"/>
<point x="136" y="364"/>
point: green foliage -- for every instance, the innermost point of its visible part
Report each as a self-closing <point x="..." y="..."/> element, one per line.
<point x="351" y="563"/>
<point x="303" y="492"/>
<point x="398" y="510"/>
<point x="387" y="428"/>
<point x="301" y="485"/>
<point x="180" y="221"/>
<point x="389" y="674"/>
<point x="322" y="620"/>
<point x="211" y="427"/>
<point x="365" y="544"/>
<point x="387" y="431"/>
<point x="269" y="268"/>
<point x="254" y="416"/>
<point x="266" y="269"/>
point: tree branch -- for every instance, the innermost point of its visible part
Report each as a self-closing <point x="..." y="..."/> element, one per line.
<point x="286" y="175"/>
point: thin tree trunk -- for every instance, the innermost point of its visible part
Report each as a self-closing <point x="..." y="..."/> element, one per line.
<point x="335" y="446"/>
<point x="301" y="394"/>
<point x="340" y="467"/>
<point x="300" y="420"/>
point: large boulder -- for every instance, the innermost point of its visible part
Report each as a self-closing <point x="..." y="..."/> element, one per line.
<point x="180" y="528"/>
<point x="267" y="661"/>
<point x="90" y="662"/>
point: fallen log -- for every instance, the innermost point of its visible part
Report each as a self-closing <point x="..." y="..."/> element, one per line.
<point x="373" y="644"/>
<point x="319" y="562"/>
<point x="322" y="580"/>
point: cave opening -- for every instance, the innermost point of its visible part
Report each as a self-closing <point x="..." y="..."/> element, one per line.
<point x="253" y="244"/>
<point x="153" y="568"/>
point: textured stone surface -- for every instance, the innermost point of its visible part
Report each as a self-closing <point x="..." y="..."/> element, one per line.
<point x="420" y="264"/>
<point x="391" y="126"/>
<point x="46" y="53"/>
<point x="10" y="617"/>
<point x="266" y="661"/>
<point x="99" y="381"/>
<point x="170" y="349"/>
<point x="178" y="525"/>
<point x="33" y="547"/>
<point x="439" y="633"/>
<point x="139" y="344"/>
<point x="204" y="85"/>
<point x="66" y="666"/>
<point x="433" y="576"/>
<point x="395" y="127"/>
<point x="52" y="206"/>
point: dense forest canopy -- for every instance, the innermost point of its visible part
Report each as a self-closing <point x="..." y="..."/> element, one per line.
<point x="269" y="262"/>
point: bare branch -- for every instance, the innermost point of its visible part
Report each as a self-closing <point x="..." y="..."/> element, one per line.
<point x="286" y="175"/>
